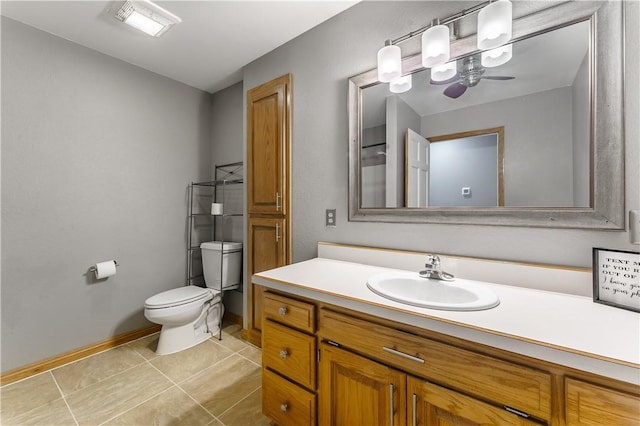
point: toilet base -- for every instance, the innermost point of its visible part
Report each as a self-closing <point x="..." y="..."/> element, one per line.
<point x="180" y="337"/>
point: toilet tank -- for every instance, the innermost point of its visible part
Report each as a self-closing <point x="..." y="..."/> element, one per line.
<point x="221" y="264"/>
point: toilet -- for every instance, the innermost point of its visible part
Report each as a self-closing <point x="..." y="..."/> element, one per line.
<point x="190" y="315"/>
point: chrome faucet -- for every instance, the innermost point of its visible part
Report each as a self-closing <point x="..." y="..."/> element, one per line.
<point x="433" y="269"/>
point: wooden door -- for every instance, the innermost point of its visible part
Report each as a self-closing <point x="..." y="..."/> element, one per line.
<point x="357" y="391"/>
<point x="268" y="135"/>
<point x="432" y="405"/>
<point x="267" y="249"/>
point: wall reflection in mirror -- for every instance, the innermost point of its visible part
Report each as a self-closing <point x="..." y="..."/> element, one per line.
<point x="537" y="150"/>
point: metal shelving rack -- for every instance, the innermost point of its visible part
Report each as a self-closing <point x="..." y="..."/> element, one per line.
<point x="226" y="176"/>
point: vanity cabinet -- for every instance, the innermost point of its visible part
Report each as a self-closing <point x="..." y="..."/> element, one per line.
<point x="483" y="377"/>
<point x="371" y="370"/>
<point x="358" y="391"/>
<point x="288" y="360"/>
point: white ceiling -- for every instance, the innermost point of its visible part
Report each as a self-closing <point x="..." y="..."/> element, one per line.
<point x="207" y="50"/>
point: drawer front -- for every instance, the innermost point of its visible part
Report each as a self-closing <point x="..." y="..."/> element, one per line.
<point x="501" y="382"/>
<point x="589" y="404"/>
<point x="290" y="353"/>
<point x="285" y="403"/>
<point x="292" y="312"/>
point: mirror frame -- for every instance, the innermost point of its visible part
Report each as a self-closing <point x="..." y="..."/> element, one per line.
<point x="607" y="130"/>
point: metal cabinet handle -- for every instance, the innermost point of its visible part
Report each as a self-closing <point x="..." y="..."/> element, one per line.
<point x="391" y="391"/>
<point x="415" y="410"/>
<point x="277" y="232"/>
<point x="284" y="407"/>
<point x="402" y="354"/>
<point x="284" y="354"/>
<point x="282" y="311"/>
<point x="277" y="201"/>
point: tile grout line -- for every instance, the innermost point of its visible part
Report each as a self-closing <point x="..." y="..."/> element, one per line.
<point x="187" y="393"/>
<point x="64" y="398"/>
<point x="148" y="361"/>
<point x="99" y="381"/>
<point x="248" y="359"/>
<point x="246" y="396"/>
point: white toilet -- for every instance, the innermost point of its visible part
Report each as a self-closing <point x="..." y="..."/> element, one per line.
<point x="190" y="315"/>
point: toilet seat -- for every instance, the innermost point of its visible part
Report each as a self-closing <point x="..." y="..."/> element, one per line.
<point x="179" y="296"/>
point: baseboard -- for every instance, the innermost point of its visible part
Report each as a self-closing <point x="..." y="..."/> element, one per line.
<point x="230" y="316"/>
<point x="67" y="357"/>
<point x="252" y="336"/>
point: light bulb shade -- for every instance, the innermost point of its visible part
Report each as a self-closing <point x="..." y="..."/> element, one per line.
<point x="494" y="24"/>
<point x="435" y="46"/>
<point x="496" y="57"/>
<point x="389" y="63"/>
<point x="444" y="72"/>
<point x="400" y="84"/>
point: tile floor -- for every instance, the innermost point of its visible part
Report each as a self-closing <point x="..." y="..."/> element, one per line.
<point x="215" y="383"/>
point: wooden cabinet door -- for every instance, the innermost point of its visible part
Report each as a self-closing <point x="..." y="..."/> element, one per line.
<point x="267" y="248"/>
<point x="432" y="405"/>
<point x="357" y="391"/>
<point x="268" y="139"/>
<point x="589" y="404"/>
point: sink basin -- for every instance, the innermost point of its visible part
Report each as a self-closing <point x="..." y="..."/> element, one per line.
<point x="410" y="288"/>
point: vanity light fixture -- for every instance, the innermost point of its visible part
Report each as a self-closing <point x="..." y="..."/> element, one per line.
<point x="495" y="24"/>
<point x="496" y="57"/>
<point x="147" y="17"/>
<point x="400" y="84"/>
<point x="389" y="62"/>
<point x="435" y="45"/>
<point x="444" y="72"/>
<point x="494" y="31"/>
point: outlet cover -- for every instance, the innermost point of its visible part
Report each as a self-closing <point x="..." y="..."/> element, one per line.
<point x="330" y="217"/>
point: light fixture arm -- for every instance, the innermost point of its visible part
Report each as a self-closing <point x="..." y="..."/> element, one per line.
<point x="446" y="21"/>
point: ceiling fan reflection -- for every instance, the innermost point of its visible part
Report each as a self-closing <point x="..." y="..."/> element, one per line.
<point x="469" y="75"/>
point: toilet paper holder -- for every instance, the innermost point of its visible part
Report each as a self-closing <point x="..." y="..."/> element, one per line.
<point x="93" y="268"/>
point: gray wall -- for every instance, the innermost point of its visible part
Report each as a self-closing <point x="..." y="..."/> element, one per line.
<point x="464" y="162"/>
<point x="400" y="117"/>
<point x="97" y="155"/>
<point x="226" y="147"/>
<point x="538" y="153"/>
<point x="322" y="60"/>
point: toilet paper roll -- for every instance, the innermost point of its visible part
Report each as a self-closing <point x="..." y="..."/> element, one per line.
<point x="216" y="208"/>
<point x="105" y="269"/>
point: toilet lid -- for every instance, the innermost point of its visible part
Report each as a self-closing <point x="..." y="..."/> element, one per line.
<point x="178" y="296"/>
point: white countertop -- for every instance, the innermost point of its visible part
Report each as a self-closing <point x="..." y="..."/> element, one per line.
<point x="566" y="329"/>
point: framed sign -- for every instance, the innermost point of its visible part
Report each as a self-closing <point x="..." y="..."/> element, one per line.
<point x="616" y="278"/>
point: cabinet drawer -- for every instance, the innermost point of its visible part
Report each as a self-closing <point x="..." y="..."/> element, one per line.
<point x="500" y="382"/>
<point x="285" y="403"/>
<point x="589" y="404"/>
<point x="292" y="312"/>
<point x="290" y="353"/>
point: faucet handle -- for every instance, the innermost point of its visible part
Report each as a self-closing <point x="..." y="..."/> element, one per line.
<point x="433" y="260"/>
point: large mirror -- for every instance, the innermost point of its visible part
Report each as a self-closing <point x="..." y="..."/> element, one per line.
<point x="536" y="141"/>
